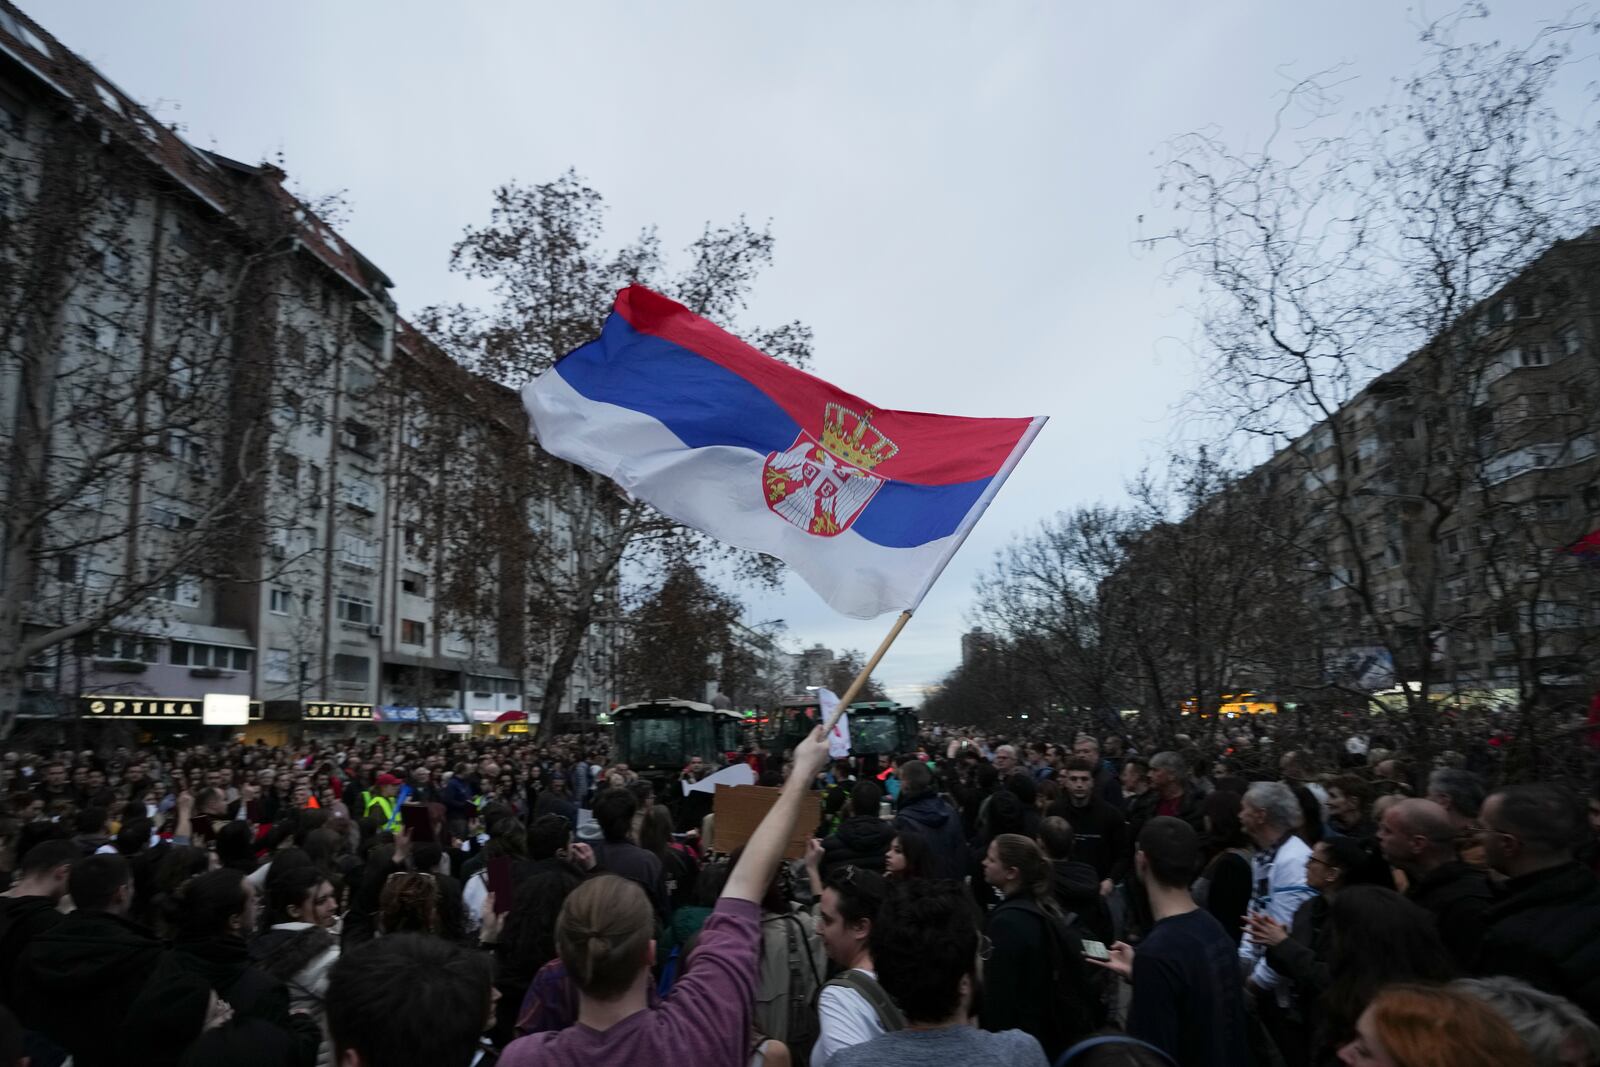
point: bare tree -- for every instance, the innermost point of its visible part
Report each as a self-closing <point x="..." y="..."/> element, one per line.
<point x="1337" y="251"/>
<point x="141" y="375"/>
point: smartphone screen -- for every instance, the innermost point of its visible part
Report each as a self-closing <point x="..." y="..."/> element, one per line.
<point x="500" y="883"/>
<point x="1094" y="950"/>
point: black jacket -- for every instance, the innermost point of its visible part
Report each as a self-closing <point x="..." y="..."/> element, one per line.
<point x="1101" y="835"/>
<point x="1036" y="980"/>
<point x="225" y="964"/>
<point x="21" y="920"/>
<point x="1545" y="929"/>
<point x="1458" y="896"/>
<point x="76" y="981"/>
<point x="861" y="841"/>
<point x="1077" y="890"/>
<point x="929" y="815"/>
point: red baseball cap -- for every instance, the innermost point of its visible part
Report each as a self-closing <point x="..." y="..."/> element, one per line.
<point x="389" y="779"/>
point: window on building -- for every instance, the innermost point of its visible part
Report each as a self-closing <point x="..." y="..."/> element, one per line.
<point x="13" y="114"/>
<point x="289" y="469"/>
<point x="277" y="665"/>
<point x="217" y="657"/>
<point x="186" y="237"/>
<point x="359" y="438"/>
<point x="1591" y="498"/>
<point x="184" y="592"/>
<point x="1451" y="543"/>
<point x="413" y="632"/>
<point x="359" y="493"/>
<point x="170" y="515"/>
<point x="348" y="668"/>
<point x="414" y="583"/>
<point x="358" y="379"/>
<point x="186" y="448"/>
<point x="126" y="647"/>
<point x="1553" y="509"/>
<point x="1571" y="341"/>
<point x="1531" y="355"/>
<point x="354" y="609"/>
<point x="287" y="411"/>
<point x="358" y="552"/>
<point x="67" y="567"/>
<point x="281" y="601"/>
<point x="367" y="330"/>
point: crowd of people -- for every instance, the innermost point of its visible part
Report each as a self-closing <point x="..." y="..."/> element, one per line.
<point x="989" y="899"/>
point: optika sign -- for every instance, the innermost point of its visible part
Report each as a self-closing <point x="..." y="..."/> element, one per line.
<point x="140" y="708"/>
<point x="318" y="709"/>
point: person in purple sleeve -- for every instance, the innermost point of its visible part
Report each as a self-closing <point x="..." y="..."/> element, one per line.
<point x="606" y="940"/>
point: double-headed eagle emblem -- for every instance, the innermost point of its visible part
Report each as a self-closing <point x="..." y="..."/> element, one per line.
<point x="823" y="486"/>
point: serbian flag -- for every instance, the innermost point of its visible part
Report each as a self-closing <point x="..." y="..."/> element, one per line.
<point x="865" y="503"/>
<point x="1586" y="548"/>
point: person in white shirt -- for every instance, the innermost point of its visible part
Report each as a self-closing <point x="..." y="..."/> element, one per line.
<point x="852" y="1008"/>
<point x="1269" y="815"/>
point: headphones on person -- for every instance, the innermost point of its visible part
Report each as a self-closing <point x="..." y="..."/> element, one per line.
<point x="1110" y="1039"/>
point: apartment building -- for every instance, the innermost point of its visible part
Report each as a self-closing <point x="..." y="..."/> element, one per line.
<point x="1440" y="507"/>
<point x="206" y="488"/>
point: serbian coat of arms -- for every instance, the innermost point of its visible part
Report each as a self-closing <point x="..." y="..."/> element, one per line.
<point x="822" y="486"/>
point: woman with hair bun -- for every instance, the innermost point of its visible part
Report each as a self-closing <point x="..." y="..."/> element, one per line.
<point x="1036" y="980"/>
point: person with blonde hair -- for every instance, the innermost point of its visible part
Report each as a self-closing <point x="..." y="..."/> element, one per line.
<point x="1432" y="1026"/>
<point x="605" y="936"/>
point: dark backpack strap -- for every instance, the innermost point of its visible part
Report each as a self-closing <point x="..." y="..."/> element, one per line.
<point x="889" y="1016"/>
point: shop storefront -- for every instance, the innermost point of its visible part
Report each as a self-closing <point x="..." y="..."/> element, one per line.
<point x="502" y="723"/>
<point x="397" y="720"/>
<point x="447" y="720"/>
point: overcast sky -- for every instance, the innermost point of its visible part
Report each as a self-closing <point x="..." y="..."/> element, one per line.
<point x="954" y="187"/>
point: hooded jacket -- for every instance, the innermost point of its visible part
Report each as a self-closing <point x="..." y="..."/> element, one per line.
<point x="1076" y="887"/>
<point x="929" y="815"/>
<point x="861" y="841"/>
<point x="76" y="981"/>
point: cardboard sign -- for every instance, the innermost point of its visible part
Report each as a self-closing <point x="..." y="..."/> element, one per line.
<point x="739" y="809"/>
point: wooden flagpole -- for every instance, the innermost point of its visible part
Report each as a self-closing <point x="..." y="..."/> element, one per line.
<point x="866" y="671"/>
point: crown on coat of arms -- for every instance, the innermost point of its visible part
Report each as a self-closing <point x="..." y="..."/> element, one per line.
<point x="853" y="438"/>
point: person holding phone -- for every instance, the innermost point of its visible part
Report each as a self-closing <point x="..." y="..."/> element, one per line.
<point x="1187" y="1000"/>
<point x="606" y="939"/>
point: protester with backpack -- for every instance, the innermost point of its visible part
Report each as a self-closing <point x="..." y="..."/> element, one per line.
<point x="852" y="1007"/>
<point x="1036" y="981"/>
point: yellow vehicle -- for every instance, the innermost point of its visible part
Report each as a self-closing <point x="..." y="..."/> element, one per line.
<point x="1234" y="705"/>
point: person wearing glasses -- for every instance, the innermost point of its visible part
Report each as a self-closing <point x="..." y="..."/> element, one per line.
<point x="1545" y="929"/>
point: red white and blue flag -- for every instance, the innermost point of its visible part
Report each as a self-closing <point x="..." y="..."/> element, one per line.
<point x="865" y="503"/>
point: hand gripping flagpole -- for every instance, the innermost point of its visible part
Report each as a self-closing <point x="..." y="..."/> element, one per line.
<point x="904" y="617"/>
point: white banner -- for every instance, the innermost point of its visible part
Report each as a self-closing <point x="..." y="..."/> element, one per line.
<point x="839" y="737"/>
